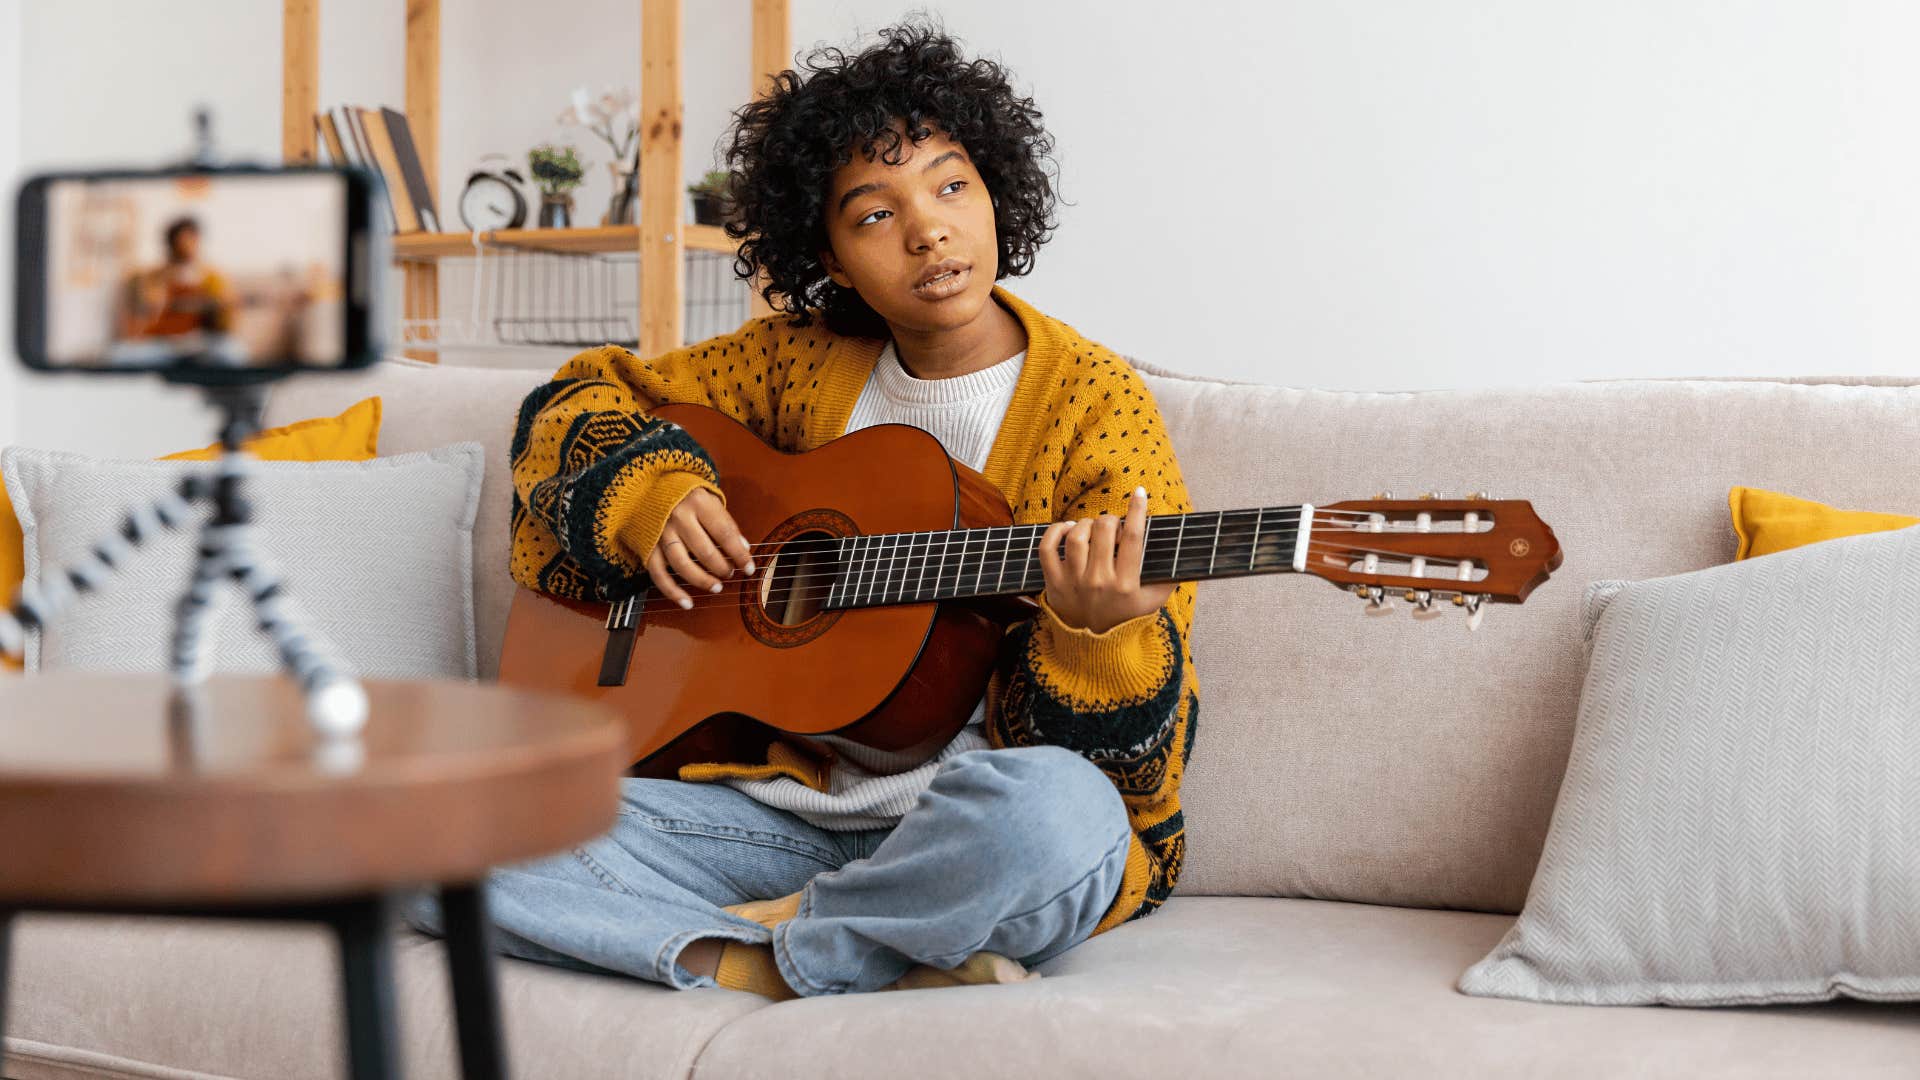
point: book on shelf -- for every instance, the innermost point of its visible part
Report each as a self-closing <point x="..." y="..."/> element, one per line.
<point x="411" y="169"/>
<point x="330" y="138"/>
<point x="381" y="141"/>
<point x="386" y="161"/>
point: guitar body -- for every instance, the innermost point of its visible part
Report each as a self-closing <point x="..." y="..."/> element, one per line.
<point x="716" y="683"/>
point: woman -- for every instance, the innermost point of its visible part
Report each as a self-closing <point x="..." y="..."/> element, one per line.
<point x="883" y="194"/>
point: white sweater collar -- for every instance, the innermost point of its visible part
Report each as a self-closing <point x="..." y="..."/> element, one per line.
<point x="893" y="380"/>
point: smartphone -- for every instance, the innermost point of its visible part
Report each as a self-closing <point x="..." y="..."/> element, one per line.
<point x="254" y="268"/>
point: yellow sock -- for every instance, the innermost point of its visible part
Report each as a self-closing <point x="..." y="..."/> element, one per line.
<point x="768" y="913"/>
<point x="749" y="967"/>
<point x="981" y="968"/>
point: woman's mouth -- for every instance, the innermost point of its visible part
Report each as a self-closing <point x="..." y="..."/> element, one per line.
<point x="945" y="285"/>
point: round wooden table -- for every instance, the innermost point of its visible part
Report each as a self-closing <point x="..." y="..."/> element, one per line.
<point x="115" y="797"/>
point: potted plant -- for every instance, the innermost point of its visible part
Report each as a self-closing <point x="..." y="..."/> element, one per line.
<point x="709" y="198"/>
<point x="614" y="117"/>
<point x="558" y="171"/>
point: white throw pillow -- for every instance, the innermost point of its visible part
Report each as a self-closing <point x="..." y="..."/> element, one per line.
<point x="375" y="555"/>
<point x="1740" y="818"/>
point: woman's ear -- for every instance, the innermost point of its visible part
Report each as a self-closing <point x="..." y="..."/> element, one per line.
<point x="834" y="272"/>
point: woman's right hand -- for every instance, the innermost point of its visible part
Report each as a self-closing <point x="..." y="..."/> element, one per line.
<point x="702" y="547"/>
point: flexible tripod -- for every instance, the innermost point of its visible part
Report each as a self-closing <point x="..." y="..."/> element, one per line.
<point x="336" y="703"/>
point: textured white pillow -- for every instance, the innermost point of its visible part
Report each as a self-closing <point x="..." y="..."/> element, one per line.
<point x="376" y="556"/>
<point x="1740" y="818"/>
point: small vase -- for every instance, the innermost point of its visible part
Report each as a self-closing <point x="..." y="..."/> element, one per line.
<point x="626" y="193"/>
<point x="707" y="209"/>
<point x="556" y="211"/>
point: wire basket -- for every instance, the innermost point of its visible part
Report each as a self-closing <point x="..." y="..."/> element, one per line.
<point x="510" y="298"/>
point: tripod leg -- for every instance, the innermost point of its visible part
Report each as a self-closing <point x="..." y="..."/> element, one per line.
<point x="35" y="606"/>
<point x="188" y="661"/>
<point x="335" y="702"/>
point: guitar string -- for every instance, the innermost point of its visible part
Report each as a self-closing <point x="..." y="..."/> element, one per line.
<point x="790" y="546"/>
<point x="789" y="593"/>
<point x="805" y="546"/>
<point x="1232" y="554"/>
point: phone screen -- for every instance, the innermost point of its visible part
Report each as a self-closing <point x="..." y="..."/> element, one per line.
<point x="216" y="269"/>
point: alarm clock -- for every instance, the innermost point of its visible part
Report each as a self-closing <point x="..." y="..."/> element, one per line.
<point x="492" y="199"/>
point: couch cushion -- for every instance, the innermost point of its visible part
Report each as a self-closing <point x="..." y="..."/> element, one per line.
<point x="1738" y="818"/>
<point x="115" y="996"/>
<point x="425" y="406"/>
<point x="1231" y="987"/>
<point x="1397" y="761"/>
<point x="375" y="557"/>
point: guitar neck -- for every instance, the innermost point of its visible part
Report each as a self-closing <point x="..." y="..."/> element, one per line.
<point x="894" y="568"/>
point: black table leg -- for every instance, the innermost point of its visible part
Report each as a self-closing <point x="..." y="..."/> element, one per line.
<point x="6" y="933"/>
<point x="476" y="991"/>
<point x="366" y="968"/>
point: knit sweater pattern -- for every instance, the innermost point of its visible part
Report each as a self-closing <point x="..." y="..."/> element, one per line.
<point x="595" y="477"/>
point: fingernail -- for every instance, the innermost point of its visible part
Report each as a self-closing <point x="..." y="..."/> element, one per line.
<point x="1139" y="492"/>
<point x="717" y="586"/>
<point x="687" y="602"/>
<point x="749" y="567"/>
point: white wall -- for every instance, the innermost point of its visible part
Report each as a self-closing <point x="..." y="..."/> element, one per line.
<point x="1395" y="194"/>
<point x="9" y="166"/>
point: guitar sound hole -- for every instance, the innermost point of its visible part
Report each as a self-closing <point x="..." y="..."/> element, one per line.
<point x="796" y="584"/>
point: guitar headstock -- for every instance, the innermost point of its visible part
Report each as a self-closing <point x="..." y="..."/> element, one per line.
<point x="1429" y="550"/>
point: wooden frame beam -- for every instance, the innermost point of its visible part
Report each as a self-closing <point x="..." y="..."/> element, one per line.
<point x="300" y="80"/>
<point x="421" y="279"/>
<point x="663" y="271"/>
<point x="772" y="54"/>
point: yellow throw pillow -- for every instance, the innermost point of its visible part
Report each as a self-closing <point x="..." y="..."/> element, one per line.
<point x="1767" y="521"/>
<point x="354" y="435"/>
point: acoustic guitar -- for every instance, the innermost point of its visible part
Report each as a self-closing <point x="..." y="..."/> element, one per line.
<point x="886" y="574"/>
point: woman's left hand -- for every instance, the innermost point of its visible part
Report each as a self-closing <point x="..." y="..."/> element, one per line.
<point x="1096" y="584"/>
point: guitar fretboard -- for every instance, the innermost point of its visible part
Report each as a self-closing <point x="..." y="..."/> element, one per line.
<point x="896" y="568"/>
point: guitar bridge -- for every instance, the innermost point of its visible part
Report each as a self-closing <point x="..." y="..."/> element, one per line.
<point x="623" y="622"/>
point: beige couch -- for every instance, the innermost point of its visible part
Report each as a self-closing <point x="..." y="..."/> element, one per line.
<point x="1355" y="776"/>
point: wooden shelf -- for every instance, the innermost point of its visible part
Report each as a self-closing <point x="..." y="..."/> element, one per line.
<point x="590" y="240"/>
<point x="660" y="312"/>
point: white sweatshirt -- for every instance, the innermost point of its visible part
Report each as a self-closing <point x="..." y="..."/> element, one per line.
<point x="868" y="789"/>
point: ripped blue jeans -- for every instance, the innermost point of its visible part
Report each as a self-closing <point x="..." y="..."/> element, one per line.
<point x="1013" y="851"/>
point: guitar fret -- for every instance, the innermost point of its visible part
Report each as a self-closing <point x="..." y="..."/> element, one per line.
<point x="1179" y="536"/>
<point x="1254" y="548"/>
<point x="920" y="582"/>
<point x="840" y="562"/>
<point x="853" y="571"/>
<point x="907" y="564"/>
<point x="894" y="556"/>
<point x="939" y="567"/>
<point x="1004" y="545"/>
<point x="867" y="549"/>
<point x="1216" y="542"/>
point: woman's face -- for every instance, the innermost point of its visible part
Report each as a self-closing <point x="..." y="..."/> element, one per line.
<point x="186" y="245"/>
<point x="886" y="224"/>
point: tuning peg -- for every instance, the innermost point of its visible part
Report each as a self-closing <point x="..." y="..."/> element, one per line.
<point x="1476" y="610"/>
<point x="1378" y="602"/>
<point x="1423" y="607"/>
<point x="1383" y="494"/>
<point x="1477" y="496"/>
<point x="1429" y="495"/>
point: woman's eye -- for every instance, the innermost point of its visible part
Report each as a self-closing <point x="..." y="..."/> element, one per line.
<point x="943" y="191"/>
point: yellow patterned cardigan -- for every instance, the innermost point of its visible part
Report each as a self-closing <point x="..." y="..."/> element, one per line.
<point x="595" y="477"/>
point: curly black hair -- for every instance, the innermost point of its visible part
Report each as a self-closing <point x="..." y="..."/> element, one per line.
<point x="787" y="143"/>
<point x="176" y="227"/>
